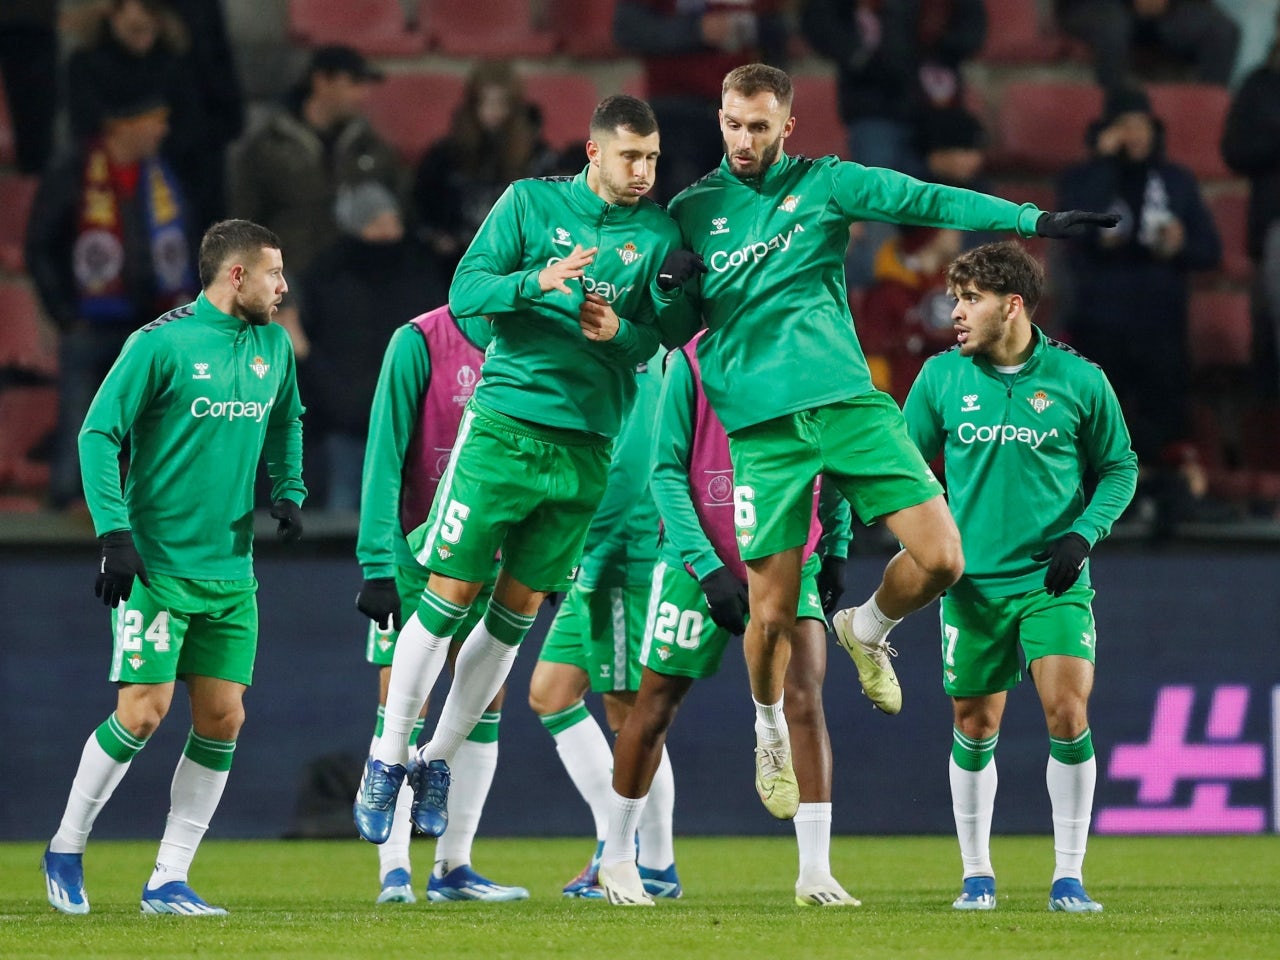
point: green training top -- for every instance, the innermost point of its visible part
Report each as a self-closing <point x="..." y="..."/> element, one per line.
<point x="780" y="337"/>
<point x="1016" y="448"/>
<point x="540" y="367"/>
<point x="201" y="396"/>
<point x="397" y="403"/>
<point x="622" y="542"/>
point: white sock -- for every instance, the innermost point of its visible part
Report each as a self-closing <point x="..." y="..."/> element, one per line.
<point x="870" y="625"/>
<point x="1071" y="797"/>
<point x="472" y="770"/>
<point x="586" y="756"/>
<point x="973" y="801"/>
<point x="415" y="667"/>
<point x="771" y="723"/>
<point x="657" y="848"/>
<point x="96" y="779"/>
<point x="620" y="838"/>
<point x="478" y="674"/>
<point x="813" y="836"/>
<point x="194" y="796"/>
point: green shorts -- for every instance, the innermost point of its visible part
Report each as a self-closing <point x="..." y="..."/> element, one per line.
<point x="178" y="627"/>
<point x="980" y="638"/>
<point x="681" y="639"/>
<point x="600" y="631"/>
<point x="861" y="444"/>
<point x="528" y="491"/>
<point x="380" y="646"/>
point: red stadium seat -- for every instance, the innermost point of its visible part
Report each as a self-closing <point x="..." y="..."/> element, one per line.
<point x="16" y="194"/>
<point x="1230" y="212"/>
<point x="819" y="130"/>
<point x="584" y="28"/>
<point x="1041" y="125"/>
<point x="1220" y="329"/>
<point x="26" y="341"/>
<point x="375" y="27"/>
<point x="1193" y="115"/>
<point x="1016" y="35"/>
<point x="27" y="414"/>
<point x="412" y="110"/>
<point x="486" y="28"/>
<point x="567" y="101"/>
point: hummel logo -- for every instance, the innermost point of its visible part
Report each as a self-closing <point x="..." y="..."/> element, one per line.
<point x="562" y="238"/>
<point x="970" y="403"/>
<point x="720" y="225"/>
<point x="202" y="372"/>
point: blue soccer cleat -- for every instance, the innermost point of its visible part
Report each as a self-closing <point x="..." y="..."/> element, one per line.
<point x="1067" y="895"/>
<point x="430" y="783"/>
<point x="397" y="887"/>
<point x="586" y="885"/>
<point x="661" y="883"/>
<point x="375" y="805"/>
<point x="979" y="893"/>
<point x="64" y="881"/>
<point x="463" y="883"/>
<point x="175" y="897"/>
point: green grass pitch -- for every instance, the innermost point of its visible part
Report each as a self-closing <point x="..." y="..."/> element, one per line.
<point x="1176" y="898"/>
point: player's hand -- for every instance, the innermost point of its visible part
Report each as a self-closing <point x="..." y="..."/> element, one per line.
<point x="572" y="267"/>
<point x="120" y="564"/>
<point x="596" y="318"/>
<point x="1072" y="223"/>
<point x="379" y="600"/>
<point x="1066" y="559"/>
<point x="679" y="267"/>
<point x="831" y="583"/>
<point x="290" y="516"/>
<point x="726" y="599"/>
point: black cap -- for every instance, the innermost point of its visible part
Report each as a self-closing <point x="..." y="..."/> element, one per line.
<point x="1122" y="100"/>
<point x="342" y="59"/>
<point x="951" y="128"/>
<point x="126" y="104"/>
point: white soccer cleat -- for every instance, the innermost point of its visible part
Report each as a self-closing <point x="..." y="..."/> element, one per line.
<point x="875" y="672"/>
<point x="827" y="893"/>
<point x="776" y="780"/>
<point x="622" y="885"/>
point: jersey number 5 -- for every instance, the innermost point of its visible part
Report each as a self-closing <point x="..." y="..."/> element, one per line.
<point x="454" y="516"/>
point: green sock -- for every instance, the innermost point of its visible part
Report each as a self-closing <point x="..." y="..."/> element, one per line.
<point x="970" y="754"/>
<point x="117" y="742"/>
<point x="566" y="718"/>
<point x="486" y="731"/>
<point x="505" y="624"/>
<point x="438" y="616"/>
<point x="214" y="754"/>
<point x="1072" y="751"/>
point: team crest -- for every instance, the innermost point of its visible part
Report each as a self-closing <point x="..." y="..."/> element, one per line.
<point x="744" y="539"/>
<point x="789" y="204"/>
<point x="136" y="662"/>
<point x="664" y="654"/>
<point x="445" y="552"/>
<point x="1040" y="401"/>
<point x="629" y="253"/>
<point x="260" y="367"/>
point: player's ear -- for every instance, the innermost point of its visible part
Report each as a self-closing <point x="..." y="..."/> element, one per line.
<point x="593" y="153"/>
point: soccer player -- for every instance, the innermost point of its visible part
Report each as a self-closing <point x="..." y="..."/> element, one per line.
<point x="698" y="601"/>
<point x="563" y="267"/>
<point x="1020" y="419"/>
<point x="594" y="644"/>
<point x="783" y="370"/>
<point x="201" y="393"/>
<point x="429" y="372"/>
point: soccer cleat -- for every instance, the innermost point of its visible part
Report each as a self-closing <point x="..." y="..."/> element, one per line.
<point x="64" y="881"/>
<point x="827" y="893"/>
<point x="661" y="883"/>
<point x="1067" y="895"/>
<point x="979" y="893"/>
<point x="463" y="883"/>
<point x="586" y="885"/>
<point x="375" y="804"/>
<point x="875" y="672"/>
<point x="430" y="784"/>
<point x="177" y="898"/>
<point x="776" y="781"/>
<point x="622" y="885"/>
<point x="397" y="887"/>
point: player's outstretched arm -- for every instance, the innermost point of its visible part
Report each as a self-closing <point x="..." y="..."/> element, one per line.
<point x="1072" y="223"/>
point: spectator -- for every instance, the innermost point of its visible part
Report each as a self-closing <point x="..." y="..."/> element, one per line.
<point x="287" y="173"/>
<point x="1189" y="32"/>
<point x="1251" y="146"/>
<point x="29" y="65"/>
<point x="355" y="293"/>
<point x="494" y="139"/>
<point x="895" y="62"/>
<point x="1128" y="297"/>
<point x="687" y="47"/>
<point x="109" y="248"/>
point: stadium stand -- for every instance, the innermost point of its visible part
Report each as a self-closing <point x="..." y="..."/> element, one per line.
<point x="1229" y="206"/>
<point x="25" y="344"/>
<point x="567" y="99"/>
<point x="487" y="28"/>
<point x="583" y="28"/>
<point x="1193" y="115"/>
<point x="412" y="110"/>
<point x="377" y="28"/>
<point x="1040" y="125"/>
<point x="16" y="194"/>
<point x="818" y="128"/>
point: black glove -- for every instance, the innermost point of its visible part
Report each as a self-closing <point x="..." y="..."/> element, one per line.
<point x="120" y="564"/>
<point x="379" y="600"/>
<point x="290" y="516"/>
<point x="678" y="267"/>
<point x="831" y="583"/>
<point x="727" y="599"/>
<point x="1066" y="559"/>
<point x="1072" y="223"/>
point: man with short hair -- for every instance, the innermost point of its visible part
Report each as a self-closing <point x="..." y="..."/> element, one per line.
<point x="563" y="267"/>
<point x="202" y="393"/>
<point x="1020" y="419"/>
